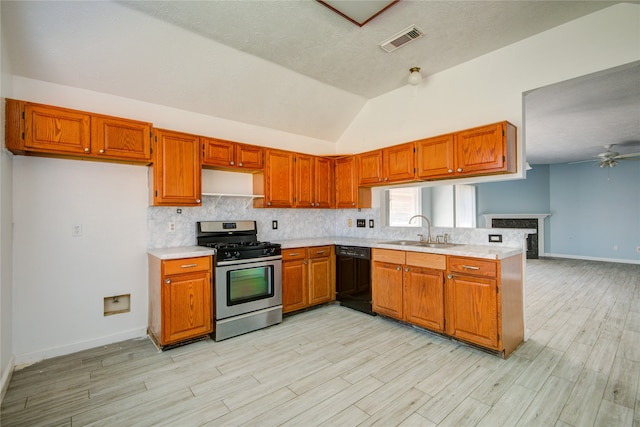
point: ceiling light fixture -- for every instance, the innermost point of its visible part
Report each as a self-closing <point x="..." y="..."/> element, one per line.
<point x="415" y="77"/>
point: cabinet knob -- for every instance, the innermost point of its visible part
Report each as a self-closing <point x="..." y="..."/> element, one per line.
<point x="268" y="203"/>
<point x="379" y="179"/>
<point x="167" y="281"/>
<point x="459" y="169"/>
<point x="86" y="150"/>
<point x="232" y="163"/>
<point x="398" y="268"/>
<point x="304" y="262"/>
<point x="406" y="269"/>
<point x="386" y="179"/>
<point x="101" y="151"/>
<point x="449" y="276"/>
<point x="450" y="170"/>
<point x="313" y="204"/>
<point x="197" y="200"/>
<point x="353" y="204"/>
<point x="240" y="164"/>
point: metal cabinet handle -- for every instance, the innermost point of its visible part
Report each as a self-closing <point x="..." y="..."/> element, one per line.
<point x="86" y="150"/>
<point x="296" y="254"/>
<point x="188" y="265"/>
<point x="320" y="252"/>
<point x="459" y="169"/>
<point x="232" y="163"/>
<point x="470" y="267"/>
<point x="167" y="281"/>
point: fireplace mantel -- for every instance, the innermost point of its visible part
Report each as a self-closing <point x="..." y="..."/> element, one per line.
<point x="488" y="220"/>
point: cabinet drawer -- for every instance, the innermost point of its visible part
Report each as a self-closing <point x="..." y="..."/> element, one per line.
<point x="434" y="261"/>
<point x="186" y="265"/>
<point x="319" y="251"/>
<point x="388" y="255"/>
<point x="473" y="266"/>
<point x="294" y="253"/>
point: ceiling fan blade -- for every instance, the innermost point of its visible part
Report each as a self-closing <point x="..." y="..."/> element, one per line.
<point x="584" y="161"/>
<point x="627" y="156"/>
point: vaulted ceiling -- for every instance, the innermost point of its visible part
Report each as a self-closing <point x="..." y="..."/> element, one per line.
<point x="295" y="66"/>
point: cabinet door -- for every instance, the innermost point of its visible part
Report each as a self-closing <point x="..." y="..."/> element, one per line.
<point x="176" y="169"/>
<point x="324" y="183"/>
<point x="434" y="157"/>
<point x="471" y="308"/>
<point x="346" y="183"/>
<point x="386" y="289"/>
<point x="279" y="176"/>
<point x="424" y="297"/>
<point x="217" y="152"/>
<point x="320" y="289"/>
<point x="481" y="149"/>
<point x="294" y="284"/>
<point x="370" y="171"/>
<point x="305" y="181"/>
<point x="120" y="138"/>
<point x="186" y="306"/>
<point x="56" y="130"/>
<point x="249" y="157"/>
<point x="399" y="163"/>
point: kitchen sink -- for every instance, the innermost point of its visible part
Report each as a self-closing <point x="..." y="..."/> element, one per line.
<point x="402" y="242"/>
<point x="419" y="243"/>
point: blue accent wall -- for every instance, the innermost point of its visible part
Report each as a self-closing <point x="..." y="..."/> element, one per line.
<point x="592" y="209"/>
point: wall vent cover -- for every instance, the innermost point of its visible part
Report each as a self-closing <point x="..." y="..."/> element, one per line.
<point x="400" y="39"/>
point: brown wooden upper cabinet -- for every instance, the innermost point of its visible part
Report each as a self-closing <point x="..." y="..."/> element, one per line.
<point x="277" y="181"/>
<point x="483" y="150"/>
<point x="176" y="168"/>
<point x="388" y="165"/>
<point x="231" y="155"/>
<point x="314" y="182"/>
<point x="43" y="129"/>
<point x="347" y="192"/>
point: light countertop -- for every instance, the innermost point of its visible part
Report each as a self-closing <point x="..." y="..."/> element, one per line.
<point x="475" y="251"/>
<point x="181" y="252"/>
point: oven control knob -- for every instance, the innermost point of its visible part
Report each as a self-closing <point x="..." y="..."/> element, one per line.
<point x="236" y="254"/>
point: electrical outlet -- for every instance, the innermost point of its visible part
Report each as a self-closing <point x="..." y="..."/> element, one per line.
<point x="274" y="224"/>
<point x="495" y="238"/>
<point x="360" y="223"/>
<point x="349" y="222"/>
<point x="172" y="227"/>
<point x="76" y="230"/>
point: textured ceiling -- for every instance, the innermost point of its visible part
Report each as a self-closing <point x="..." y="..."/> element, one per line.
<point x="297" y="66"/>
<point x="312" y="40"/>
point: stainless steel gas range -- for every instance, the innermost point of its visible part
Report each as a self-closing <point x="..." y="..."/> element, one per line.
<point x="247" y="277"/>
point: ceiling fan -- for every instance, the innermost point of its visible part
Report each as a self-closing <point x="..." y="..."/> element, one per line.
<point x="610" y="158"/>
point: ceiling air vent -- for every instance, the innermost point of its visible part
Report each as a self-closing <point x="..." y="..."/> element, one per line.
<point x="402" y="38"/>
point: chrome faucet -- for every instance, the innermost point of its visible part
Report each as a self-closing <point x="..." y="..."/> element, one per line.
<point x="428" y="228"/>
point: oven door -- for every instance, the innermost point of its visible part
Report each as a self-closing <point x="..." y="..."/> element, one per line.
<point x="243" y="286"/>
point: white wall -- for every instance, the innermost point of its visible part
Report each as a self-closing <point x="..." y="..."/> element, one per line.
<point x="489" y="88"/>
<point x="59" y="280"/>
<point x="6" y="257"/>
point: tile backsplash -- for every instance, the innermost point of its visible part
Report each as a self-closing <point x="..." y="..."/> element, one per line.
<point x="298" y="224"/>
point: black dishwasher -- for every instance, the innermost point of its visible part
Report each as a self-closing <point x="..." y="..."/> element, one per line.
<point x="353" y="278"/>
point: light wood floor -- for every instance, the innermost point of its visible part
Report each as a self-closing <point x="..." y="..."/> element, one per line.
<point x="334" y="366"/>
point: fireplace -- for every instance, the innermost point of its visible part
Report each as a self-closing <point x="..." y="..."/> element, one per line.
<point x="535" y="241"/>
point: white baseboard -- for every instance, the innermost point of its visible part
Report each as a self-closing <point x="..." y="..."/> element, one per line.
<point x="590" y="258"/>
<point x="6" y="378"/>
<point x="22" y="360"/>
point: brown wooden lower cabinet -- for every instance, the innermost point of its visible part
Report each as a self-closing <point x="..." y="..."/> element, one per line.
<point x="308" y="277"/>
<point x="480" y="301"/>
<point x="180" y="299"/>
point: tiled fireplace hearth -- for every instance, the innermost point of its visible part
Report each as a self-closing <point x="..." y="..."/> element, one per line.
<point x="535" y="241"/>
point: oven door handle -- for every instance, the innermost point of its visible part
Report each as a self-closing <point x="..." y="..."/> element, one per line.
<point x="249" y="261"/>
